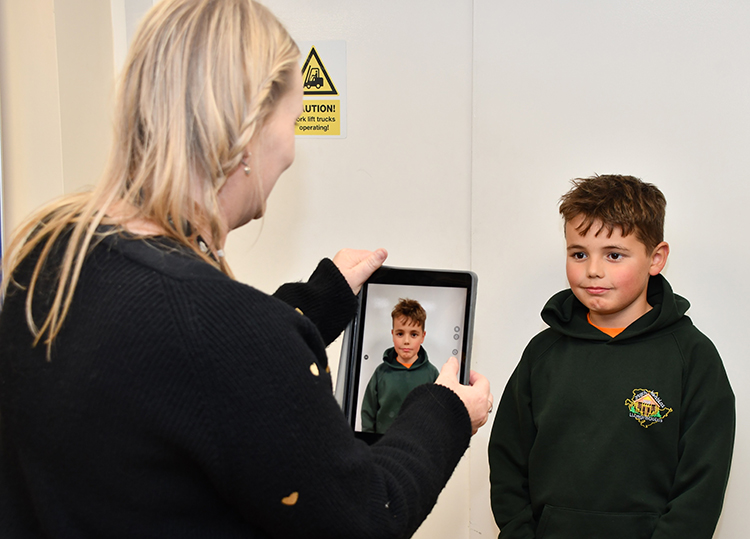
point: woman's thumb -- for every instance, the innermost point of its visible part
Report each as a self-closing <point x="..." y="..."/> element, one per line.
<point x="450" y="368"/>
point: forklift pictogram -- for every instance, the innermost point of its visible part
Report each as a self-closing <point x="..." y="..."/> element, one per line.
<point x="316" y="80"/>
<point x="313" y="78"/>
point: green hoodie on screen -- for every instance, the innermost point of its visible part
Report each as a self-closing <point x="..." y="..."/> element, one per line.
<point x="618" y="438"/>
<point x="388" y="387"/>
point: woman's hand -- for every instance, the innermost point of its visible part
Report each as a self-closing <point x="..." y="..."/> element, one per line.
<point x="476" y="396"/>
<point x="356" y="266"/>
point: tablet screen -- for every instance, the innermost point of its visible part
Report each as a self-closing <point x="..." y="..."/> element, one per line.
<point x="372" y="377"/>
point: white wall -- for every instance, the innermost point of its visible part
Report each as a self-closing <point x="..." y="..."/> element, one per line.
<point x="654" y="89"/>
<point x="85" y="74"/>
<point x="402" y="177"/>
<point x="125" y="17"/>
<point x="29" y="89"/>
<point x="466" y="121"/>
<point x="56" y="87"/>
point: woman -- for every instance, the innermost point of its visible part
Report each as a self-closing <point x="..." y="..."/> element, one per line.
<point x="144" y="392"/>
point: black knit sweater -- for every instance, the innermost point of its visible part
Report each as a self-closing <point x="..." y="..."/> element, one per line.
<point x="181" y="403"/>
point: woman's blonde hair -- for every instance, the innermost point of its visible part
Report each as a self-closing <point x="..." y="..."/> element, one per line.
<point x="200" y="78"/>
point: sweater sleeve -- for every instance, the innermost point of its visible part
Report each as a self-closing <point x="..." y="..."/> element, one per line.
<point x="274" y="443"/>
<point x="705" y="447"/>
<point x="512" y="437"/>
<point x="326" y="299"/>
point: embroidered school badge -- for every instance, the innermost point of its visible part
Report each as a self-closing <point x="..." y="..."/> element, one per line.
<point x="646" y="407"/>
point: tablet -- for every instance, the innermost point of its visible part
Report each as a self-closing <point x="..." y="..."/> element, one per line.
<point x="448" y="299"/>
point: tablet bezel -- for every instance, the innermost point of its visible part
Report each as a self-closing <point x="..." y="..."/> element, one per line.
<point x="350" y="365"/>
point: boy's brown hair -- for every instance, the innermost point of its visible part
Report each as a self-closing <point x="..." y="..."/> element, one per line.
<point x="411" y="310"/>
<point x="617" y="201"/>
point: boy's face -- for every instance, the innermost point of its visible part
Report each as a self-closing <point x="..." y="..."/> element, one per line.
<point x="609" y="274"/>
<point x="408" y="336"/>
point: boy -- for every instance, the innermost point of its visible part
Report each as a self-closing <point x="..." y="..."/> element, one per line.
<point x="618" y="422"/>
<point x="405" y="366"/>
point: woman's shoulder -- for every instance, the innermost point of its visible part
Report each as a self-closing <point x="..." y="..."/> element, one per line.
<point x="172" y="293"/>
<point x="163" y="256"/>
<point x="168" y="276"/>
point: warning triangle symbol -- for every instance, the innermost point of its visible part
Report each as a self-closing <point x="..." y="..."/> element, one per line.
<point x="315" y="76"/>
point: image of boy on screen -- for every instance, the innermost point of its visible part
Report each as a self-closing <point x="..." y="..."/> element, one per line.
<point x="405" y="366"/>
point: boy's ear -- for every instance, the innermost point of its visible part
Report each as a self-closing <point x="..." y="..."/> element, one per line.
<point x="659" y="258"/>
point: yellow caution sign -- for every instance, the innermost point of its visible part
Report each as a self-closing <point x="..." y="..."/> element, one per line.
<point x="325" y="90"/>
<point x="315" y="76"/>
<point x="320" y="117"/>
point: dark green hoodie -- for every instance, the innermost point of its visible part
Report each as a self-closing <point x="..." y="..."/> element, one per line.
<point x="388" y="387"/>
<point x="626" y="437"/>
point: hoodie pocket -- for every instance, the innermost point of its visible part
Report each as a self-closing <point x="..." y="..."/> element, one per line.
<point x="563" y="523"/>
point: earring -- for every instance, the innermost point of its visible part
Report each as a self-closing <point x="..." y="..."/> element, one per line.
<point x="247" y="167"/>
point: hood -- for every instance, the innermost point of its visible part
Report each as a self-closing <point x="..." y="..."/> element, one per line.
<point x="390" y="355"/>
<point x="565" y="314"/>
